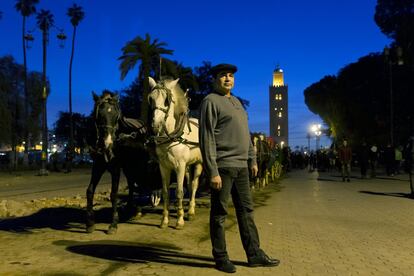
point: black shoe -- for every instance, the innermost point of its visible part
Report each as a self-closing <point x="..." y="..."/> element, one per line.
<point x="348" y="180"/>
<point x="263" y="260"/>
<point x="225" y="266"/>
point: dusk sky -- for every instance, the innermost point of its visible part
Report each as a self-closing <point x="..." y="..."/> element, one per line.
<point x="308" y="39"/>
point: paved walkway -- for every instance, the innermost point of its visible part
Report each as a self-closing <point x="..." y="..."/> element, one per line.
<point x="314" y="226"/>
<point x="323" y="226"/>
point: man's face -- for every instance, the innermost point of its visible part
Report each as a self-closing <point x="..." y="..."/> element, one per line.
<point x="224" y="82"/>
<point x="345" y="143"/>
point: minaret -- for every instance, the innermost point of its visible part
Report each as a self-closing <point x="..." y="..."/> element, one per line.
<point x="278" y="109"/>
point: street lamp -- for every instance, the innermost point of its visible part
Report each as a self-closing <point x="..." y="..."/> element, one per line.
<point x="389" y="60"/>
<point x="317" y="130"/>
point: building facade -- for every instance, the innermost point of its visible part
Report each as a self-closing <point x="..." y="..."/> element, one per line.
<point x="278" y="109"/>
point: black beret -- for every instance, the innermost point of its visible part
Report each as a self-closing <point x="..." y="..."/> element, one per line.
<point x="215" y="70"/>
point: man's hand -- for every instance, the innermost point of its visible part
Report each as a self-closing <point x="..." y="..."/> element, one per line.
<point x="215" y="182"/>
<point x="254" y="169"/>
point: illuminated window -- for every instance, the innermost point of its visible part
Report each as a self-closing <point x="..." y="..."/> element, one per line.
<point x="278" y="133"/>
<point x="276" y="108"/>
<point x="278" y="97"/>
<point x="278" y="126"/>
<point x="279" y="115"/>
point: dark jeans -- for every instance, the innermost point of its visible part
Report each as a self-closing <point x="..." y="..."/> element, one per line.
<point x="235" y="181"/>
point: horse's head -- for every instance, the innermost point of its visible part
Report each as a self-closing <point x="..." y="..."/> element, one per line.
<point x="167" y="101"/>
<point x="107" y="114"/>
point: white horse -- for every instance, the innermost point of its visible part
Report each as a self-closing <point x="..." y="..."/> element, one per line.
<point x="176" y="138"/>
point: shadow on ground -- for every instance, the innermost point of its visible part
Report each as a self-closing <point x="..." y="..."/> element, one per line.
<point x="61" y="218"/>
<point x="402" y="195"/>
<point x="136" y="252"/>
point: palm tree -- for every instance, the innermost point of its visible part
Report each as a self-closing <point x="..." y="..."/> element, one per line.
<point x="76" y="15"/>
<point x="149" y="53"/>
<point x="26" y="8"/>
<point x="45" y="20"/>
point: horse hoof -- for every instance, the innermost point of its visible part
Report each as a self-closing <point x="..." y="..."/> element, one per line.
<point x="163" y="225"/>
<point x="90" y="228"/>
<point x="179" y="227"/>
<point x="111" y="230"/>
<point x="137" y="217"/>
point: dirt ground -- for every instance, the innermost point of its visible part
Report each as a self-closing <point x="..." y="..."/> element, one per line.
<point x="43" y="233"/>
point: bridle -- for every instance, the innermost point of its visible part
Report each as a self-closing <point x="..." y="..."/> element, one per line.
<point x="110" y="128"/>
<point x="161" y="86"/>
<point x="168" y="101"/>
<point x="174" y="136"/>
<point x="115" y="104"/>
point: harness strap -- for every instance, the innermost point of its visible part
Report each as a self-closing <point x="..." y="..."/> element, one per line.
<point x="175" y="136"/>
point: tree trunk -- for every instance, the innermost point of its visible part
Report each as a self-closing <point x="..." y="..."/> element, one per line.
<point x="71" y="139"/>
<point x="26" y="99"/>
<point x="43" y="170"/>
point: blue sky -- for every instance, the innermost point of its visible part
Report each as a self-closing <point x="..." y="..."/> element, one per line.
<point x="308" y="39"/>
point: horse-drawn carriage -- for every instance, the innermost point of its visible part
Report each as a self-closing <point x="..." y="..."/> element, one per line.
<point x="146" y="155"/>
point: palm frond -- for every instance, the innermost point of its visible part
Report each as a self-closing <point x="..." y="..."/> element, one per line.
<point x="76" y="14"/>
<point x="26" y="7"/>
<point x="45" y="20"/>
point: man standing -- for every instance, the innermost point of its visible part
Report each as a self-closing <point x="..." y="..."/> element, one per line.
<point x="345" y="156"/>
<point x="364" y="159"/>
<point x="226" y="147"/>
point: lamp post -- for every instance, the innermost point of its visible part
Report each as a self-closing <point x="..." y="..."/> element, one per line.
<point x="390" y="62"/>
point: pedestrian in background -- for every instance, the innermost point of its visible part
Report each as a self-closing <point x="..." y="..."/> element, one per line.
<point x="373" y="160"/>
<point x="226" y="147"/>
<point x="389" y="159"/>
<point x="398" y="159"/>
<point x="364" y="159"/>
<point x="345" y="156"/>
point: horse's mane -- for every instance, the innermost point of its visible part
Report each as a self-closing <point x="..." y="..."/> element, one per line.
<point x="181" y="100"/>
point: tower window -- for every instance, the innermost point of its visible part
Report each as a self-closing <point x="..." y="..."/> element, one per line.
<point x="278" y="97"/>
<point x="279" y="115"/>
<point x="278" y="127"/>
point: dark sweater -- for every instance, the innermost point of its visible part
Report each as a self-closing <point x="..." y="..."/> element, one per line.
<point x="224" y="134"/>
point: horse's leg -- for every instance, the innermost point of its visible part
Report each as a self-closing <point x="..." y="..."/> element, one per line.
<point x="180" y="171"/>
<point x="115" y="175"/>
<point x="198" y="168"/>
<point x="257" y="182"/>
<point x="134" y="210"/>
<point x="165" y="175"/>
<point x="98" y="168"/>
<point x="267" y="176"/>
